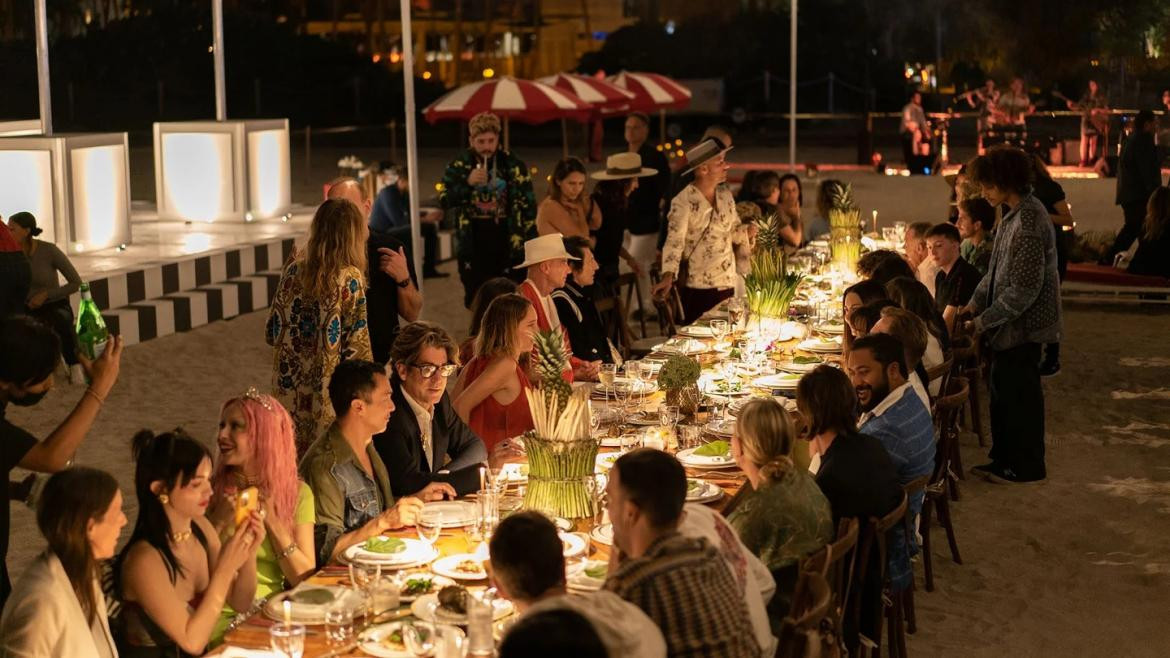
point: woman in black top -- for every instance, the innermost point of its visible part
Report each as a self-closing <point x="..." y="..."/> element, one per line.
<point x="612" y="193"/>
<point x="1153" y="252"/>
<point x="575" y="308"/>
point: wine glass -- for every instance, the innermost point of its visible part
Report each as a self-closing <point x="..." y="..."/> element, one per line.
<point x="606" y="374"/>
<point x="735" y="308"/>
<point x="362" y="574"/>
<point x="419" y="638"/>
<point x="429" y="526"/>
<point x="719" y="330"/>
<point x="594" y="418"/>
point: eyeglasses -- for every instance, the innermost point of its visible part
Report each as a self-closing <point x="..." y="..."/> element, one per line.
<point x="428" y="370"/>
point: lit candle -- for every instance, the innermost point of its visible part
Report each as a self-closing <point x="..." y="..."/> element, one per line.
<point x="482" y="478"/>
<point x="287" y="612"/>
<point x="874" y="228"/>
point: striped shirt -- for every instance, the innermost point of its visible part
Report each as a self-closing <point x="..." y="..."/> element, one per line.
<point x="688" y="591"/>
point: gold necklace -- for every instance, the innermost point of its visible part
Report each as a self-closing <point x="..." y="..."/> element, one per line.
<point x="180" y="536"/>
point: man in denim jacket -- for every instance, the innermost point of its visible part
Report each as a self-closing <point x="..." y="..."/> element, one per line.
<point x="1017" y="307"/>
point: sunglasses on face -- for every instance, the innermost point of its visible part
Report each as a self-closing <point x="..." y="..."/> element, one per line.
<point x="428" y="370"/>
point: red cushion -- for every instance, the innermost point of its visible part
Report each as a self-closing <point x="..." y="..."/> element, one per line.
<point x="1111" y="276"/>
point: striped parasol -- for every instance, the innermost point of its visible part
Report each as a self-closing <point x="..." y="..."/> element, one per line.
<point x="526" y="101"/>
<point x="652" y="91"/>
<point x="604" y="96"/>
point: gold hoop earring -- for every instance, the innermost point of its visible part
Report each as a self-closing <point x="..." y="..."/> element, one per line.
<point x="164" y="499"/>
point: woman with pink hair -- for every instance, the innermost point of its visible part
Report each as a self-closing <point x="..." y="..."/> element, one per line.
<point x="257" y="448"/>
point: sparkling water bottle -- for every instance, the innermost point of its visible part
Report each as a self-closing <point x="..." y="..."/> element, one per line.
<point x="92" y="335"/>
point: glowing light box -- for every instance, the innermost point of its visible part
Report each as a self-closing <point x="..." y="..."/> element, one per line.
<point x="214" y="171"/>
<point x="76" y="185"/>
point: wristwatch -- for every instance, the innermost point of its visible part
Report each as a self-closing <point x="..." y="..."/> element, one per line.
<point x="403" y="283"/>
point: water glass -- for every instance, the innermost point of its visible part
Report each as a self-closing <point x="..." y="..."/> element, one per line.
<point x="889" y="234"/>
<point x="668" y="415"/>
<point x="384" y="597"/>
<point x="429" y="526"/>
<point x="339" y="624"/>
<point x="689" y="436"/>
<point x="606" y="373"/>
<point x="287" y="640"/>
<point x="594" y="417"/>
<point x="362" y="574"/>
<point x="488" y="513"/>
<point x="719" y="329"/>
<point x="420" y="638"/>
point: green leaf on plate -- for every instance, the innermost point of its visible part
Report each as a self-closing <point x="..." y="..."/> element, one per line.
<point x="387" y="545"/>
<point x="718" y="448"/>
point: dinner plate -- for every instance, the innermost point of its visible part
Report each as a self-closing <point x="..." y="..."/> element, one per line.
<point x="373" y="640"/>
<point x="616" y="441"/>
<point x="784" y="381"/>
<point x="573" y="543"/>
<point x="820" y="346"/>
<point x="689" y="458"/>
<point x="697" y="331"/>
<point x="643" y="418"/>
<point x="583" y="582"/>
<point x="702" y="491"/>
<point x="724" y="427"/>
<point x="427" y="608"/>
<point x="602" y="534"/>
<point x="309" y="613"/>
<point x="605" y="460"/>
<point x="834" y="328"/>
<point x="416" y="552"/>
<point x="791" y="366"/>
<point x="447" y="566"/>
<point x="437" y="583"/>
<point x="684" y="346"/>
<point x="721" y="388"/>
<point x="456" y="513"/>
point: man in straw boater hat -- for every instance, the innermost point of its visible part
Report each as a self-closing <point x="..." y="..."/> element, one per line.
<point x="699" y="253"/>
<point x="488" y="192"/>
<point x="547" y="265"/>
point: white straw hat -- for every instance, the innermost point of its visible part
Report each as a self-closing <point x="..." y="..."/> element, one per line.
<point x="545" y="247"/>
<point x="623" y="165"/>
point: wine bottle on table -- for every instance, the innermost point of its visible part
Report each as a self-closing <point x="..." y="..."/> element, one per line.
<point x="92" y="335"/>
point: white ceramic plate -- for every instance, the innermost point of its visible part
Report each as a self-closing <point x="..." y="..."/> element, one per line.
<point x="605" y="460"/>
<point x="685" y="346"/>
<point x="719" y="388"/>
<point x="456" y="513"/>
<point x="702" y="491"/>
<point x="784" y="381"/>
<point x="789" y="366"/>
<point x="447" y="566"/>
<point x="437" y="583"/>
<point x="583" y="582"/>
<point x="615" y="441"/>
<point x="603" y="534"/>
<point x="309" y="613"/>
<point x="427" y="608"/>
<point x="416" y="552"/>
<point x="643" y="418"/>
<point x="689" y="458"/>
<point x="697" y="331"/>
<point x="373" y="640"/>
<point x="834" y="328"/>
<point x="820" y="346"/>
<point x="573" y="543"/>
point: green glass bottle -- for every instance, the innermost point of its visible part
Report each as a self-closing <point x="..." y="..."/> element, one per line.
<point x="92" y="335"/>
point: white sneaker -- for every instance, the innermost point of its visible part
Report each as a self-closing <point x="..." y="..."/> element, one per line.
<point x="76" y="374"/>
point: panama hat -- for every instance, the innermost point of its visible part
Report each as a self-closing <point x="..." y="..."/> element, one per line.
<point x="705" y="150"/>
<point x="545" y="247"/>
<point x="623" y="165"/>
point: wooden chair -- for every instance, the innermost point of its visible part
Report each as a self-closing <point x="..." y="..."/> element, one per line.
<point x="876" y="538"/>
<point x="613" y="316"/>
<point x="912" y="487"/>
<point x="835" y="562"/>
<point x="803" y="632"/>
<point x="629" y="281"/>
<point x="943" y="485"/>
<point x="940" y="373"/>
<point x="946" y="426"/>
<point x="967" y="364"/>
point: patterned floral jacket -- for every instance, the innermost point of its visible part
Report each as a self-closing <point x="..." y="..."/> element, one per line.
<point x="704" y="236"/>
<point x="506" y="198"/>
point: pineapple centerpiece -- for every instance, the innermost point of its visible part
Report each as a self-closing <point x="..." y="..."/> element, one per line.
<point x="561" y="449"/>
<point x="769" y="286"/>
<point x="845" y="228"/>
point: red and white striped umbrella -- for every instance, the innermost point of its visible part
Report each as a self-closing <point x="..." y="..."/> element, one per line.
<point x="652" y="91"/>
<point x="526" y="101"/>
<point x="604" y="96"/>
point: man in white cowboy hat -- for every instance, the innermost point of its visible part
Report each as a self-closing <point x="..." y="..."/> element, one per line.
<point x="704" y="229"/>
<point x="614" y="195"/>
<point x="547" y="263"/>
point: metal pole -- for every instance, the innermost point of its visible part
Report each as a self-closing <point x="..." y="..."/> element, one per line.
<point x="41" y="20"/>
<point x="792" y="87"/>
<point x="217" y="58"/>
<point x="411" y="137"/>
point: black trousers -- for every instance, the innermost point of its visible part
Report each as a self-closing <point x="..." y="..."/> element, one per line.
<point x="430" y="239"/>
<point x="697" y="301"/>
<point x="1017" y="410"/>
<point x="487" y="256"/>
<point x="58" y="316"/>
<point x="1135" y="216"/>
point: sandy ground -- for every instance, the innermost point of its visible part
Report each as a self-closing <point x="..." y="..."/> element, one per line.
<point x="1077" y="565"/>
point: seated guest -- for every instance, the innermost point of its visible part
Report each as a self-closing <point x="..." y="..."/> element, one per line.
<point x="918" y="256"/>
<point x="852" y="469"/>
<point x="568" y="210"/>
<point x="57" y="607"/>
<point x="784" y="517"/>
<point x="489" y="395"/>
<point x="913" y="296"/>
<point x="863" y="319"/>
<point x="1153" y="252"/>
<point x="575" y="308"/>
<point x="175" y="573"/>
<point x="547" y="264"/>
<point x="354" y="500"/>
<point x="257" y="448"/>
<point x="887" y="268"/>
<point x="661" y="571"/>
<point x="553" y="633"/>
<point x="786" y="202"/>
<point x="911" y="332"/>
<point x="391" y="214"/>
<point x="425" y="441"/>
<point x="869" y="261"/>
<point x="956" y="279"/>
<point x="490" y="289"/>
<point x="976" y="221"/>
<point x="856" y="296"/>
<point x="31" y="352"/>
<point x="818" y="225"/>
<point x="528" y="568"/>
<point x="895" y="416"/>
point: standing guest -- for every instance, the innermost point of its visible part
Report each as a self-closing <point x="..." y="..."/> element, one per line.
<point x="575" y="308"/>
<point x="911" y="332"/>
<point x="918" y="256"/>
<point x="31" y="352"/>
<point x="425" y="441"/>
<point x="490" y="393"/>
<point x="883" y="265"/>
<point x="57" y="608"/>
<point x="647" y="202"/>
<point x="567" y="209"/>
<point x="686" y="175"/>
<point x="318" y="316"/>
<point x="486" y="294"/>
<point x="528" y="568"/>
<point x="547" y="264"/>
<point x="614" y="195"/>
<point x="857" y="295"/>
<point x="1153" y="252"/>
<point x="704" y="229"/>
<point x="784" y="517"/>
<point x="956" y="278"/>
<point x="677" y="581"/>
<point x="912" y="296"/>
<point x="1051" y="194"/>
<point x="1138" y="175"/>
<point x="48" y="300"/>
<point x="391" y="289"/>
<point x="487" y="191"/>
<point x="175" y="574"/>
<point x="257" y="448"/>
<point x="1094" y="109"/>
<point x="391" y="213"/>
<point x="852" y="469"/>
<point x="350" y="485"/>
<point x="1018" y="306"/>
<point x="976" y="219"/>
<point x="15" y="276"/>
<point x="818" y="225"/>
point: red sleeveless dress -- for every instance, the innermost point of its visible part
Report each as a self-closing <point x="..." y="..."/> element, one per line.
<point x="491" y="421"/>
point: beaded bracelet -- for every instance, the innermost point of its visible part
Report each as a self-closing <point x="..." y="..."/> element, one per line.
<point x="292" y="548"/>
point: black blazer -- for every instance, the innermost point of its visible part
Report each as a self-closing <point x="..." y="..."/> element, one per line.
<point x="1138" y="171"/>
<point x="382" y="295"/>
<point x="581" y="321"/>
<point x="400" y="448"/>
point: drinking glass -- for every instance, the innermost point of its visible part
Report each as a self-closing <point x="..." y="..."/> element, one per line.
<point x="419" y="638"/>
<point x="689" y="436"/>
<point x="735" y="307"/>
<point x="668" y="415"/>
<point x="384" y="597"/>
<point x="362" y="574"/>
<point x="606" y="374"/>
<point x="594" y="418"/>
<point x="429" y="526"/>
<point x="287" y="640"/>
<point x="339" y="624"/>
<point x="889" y="234"/>
<point x="488" y="516"/>
<point x="719" y="329"/>
<point x="900" y="235"/>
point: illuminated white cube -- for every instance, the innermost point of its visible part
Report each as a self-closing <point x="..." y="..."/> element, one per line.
<point x="76" y="185"/>
<point x="209" y="171"/>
